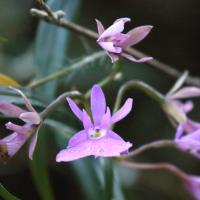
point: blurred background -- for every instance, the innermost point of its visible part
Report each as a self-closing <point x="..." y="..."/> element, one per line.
<point x="34" y="50"/>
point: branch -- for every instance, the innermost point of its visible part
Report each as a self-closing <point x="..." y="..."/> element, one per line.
<point x="55" y="18"/>
<point x="166" y="166"/>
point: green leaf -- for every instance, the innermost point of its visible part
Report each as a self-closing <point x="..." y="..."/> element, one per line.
<point x="5" y="194"/>
<point x="39" y="168"/>
<point x="51" y="43"/>
<point x="35" y="98"/>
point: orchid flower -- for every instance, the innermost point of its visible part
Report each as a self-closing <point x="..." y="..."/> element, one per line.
<point x="12" y="143"/>
<point x="192" y="184"/>
<point x="173" y="107"/>
<point x="114" y="42"/>
<point x="189" y="143"/>
<point x="96" y="139"/>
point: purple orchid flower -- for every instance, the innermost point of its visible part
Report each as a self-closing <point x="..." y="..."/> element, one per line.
<point x="12" y="143"/>
<point x="96" y="139"/>
<point x="113" y="41"/>
<point x="189" y="143"/>
<point x="173" y="107"/>
<point x="192" y="184"/>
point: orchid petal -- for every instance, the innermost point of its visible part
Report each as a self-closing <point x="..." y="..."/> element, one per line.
<point x="123" y="111"/>
<point x="100" y="27"/>
<point x="105" y="147"/>
<point x="10" y="110"/>
<point x="191" y="126"/>
<point x="15" y="144"/>
<point x="114" y="57"/>
<point x="75" y="109"/>
<point x="193" y="136"/>
<point x="98" y="104"/>
<point x="16" y="128"/>
<point x="136" y="35"/>
<point x="26" y="101"/>
<point x="87" y="122"/>
<point x="135" y="60"/>
<point x="105" y="122"/>
<point x="33" y="142"/>
<point x="188" y="106"/>
<point x="186" y="92"/>
<point x="188" y="145"/>
<point x="123" y="19"/>
<point x="175" y="111"/>
<point x="109" y="46"/>
<point x="178" y="83"/>
<point x="30" y="117"/>
<point x="193" y="186"/>
<point x="121" y="38"/>
<point x="78" y="138"/>
<point x="179" y="131"/>
<point x="116" y="28"/>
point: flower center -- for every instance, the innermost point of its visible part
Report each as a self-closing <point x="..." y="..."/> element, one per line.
<point x="96" y="133"/>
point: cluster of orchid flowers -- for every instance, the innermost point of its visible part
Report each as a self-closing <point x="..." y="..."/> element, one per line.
<point x="97" y="139"/>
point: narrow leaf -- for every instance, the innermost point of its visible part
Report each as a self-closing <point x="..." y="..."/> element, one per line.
<point x="5" y="194"/>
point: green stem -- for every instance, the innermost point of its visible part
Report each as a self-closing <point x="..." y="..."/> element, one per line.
<point x="138" y="85"/>
<point x="166" y="166"/>
<point x="62" y="100"/>
<point x="156" y="144"/>
<point x="108" y="79"/>
<point x="77" y="65"/>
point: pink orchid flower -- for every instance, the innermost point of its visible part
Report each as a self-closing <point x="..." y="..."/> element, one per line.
<point x="12" y="143"/>
<point x="96" y="139"/>
<point x="173" y="107"/>
<point x="114" y="42"/>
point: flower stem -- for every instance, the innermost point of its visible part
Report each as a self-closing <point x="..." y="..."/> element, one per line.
<point x="138" y="85"/>
<point x="62" y="100"/>
<point x="166" y="166"/>
<point x="108" y="79"/>
<point x="77" y="65"/>
<point x="156" y="144"/>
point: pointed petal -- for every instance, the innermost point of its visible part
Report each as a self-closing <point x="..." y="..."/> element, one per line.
<point x="191" y="126"/>
<point x="186" y="92"/>
<point x="193" y="136"/>
<point x="178" y="83"/>
<point x="78" y="138"/>
<point x="123" y="111"/>
<point x="179" y="131"/>
<point x="87" y="122"/>
<point x="98" y="104"/>
<point x="136" y="35"/>
<point x="188" y="145"/>
<point x="114" y="57"/>
<point x="30" y="117"/>
<point x="123" y="19"/>
<point x="193" y="186"/>
<point x="10" y="110"/>
<point x="105" y="122"/>
<point x="105" y="147"/>
<point x="16" y="128"/>
<point x="26" y="101"/>
<point x="115" y="136"/>
<point x="100" y="27"/>
<point x="75" y="109"/>
<point x="135" y="60"/>
<point x="33" y="142"/>
<point x="116" y="28"/>
<point x="109" y="46"/>
<point x="175" y="111"/>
